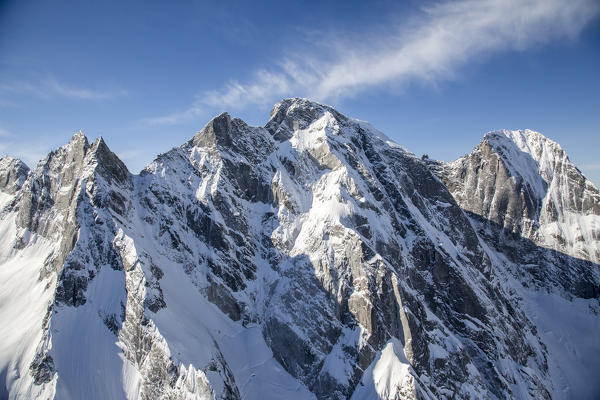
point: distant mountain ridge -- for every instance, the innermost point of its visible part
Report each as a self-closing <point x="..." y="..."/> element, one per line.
<point x="309" y="258"/>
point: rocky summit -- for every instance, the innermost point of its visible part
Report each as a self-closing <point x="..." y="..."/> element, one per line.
<point x="311" y="258"/>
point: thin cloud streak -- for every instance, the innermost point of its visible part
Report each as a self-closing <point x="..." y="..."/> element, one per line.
<point x="52" y="88"/>
<point x="431" y="47"/>
<point x="64" y="90"/>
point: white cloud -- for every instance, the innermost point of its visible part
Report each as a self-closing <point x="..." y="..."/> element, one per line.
<point x="23" y="88"/>
<point x="65" y="90"/>
<point x="52" y="88"/>
<point x="429" y="47"/>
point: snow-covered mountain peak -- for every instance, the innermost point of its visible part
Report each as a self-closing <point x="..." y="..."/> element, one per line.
<point x="540" y="161"/>
<point x="295" y="114"/>
<point x="80" y="157"/>
<point x="8" y="162"/>
<point x="228" y="138"/>
<point x="527" y="140"/>
<point x="524" y="182"/>
<point x="78" y="141"/>
<point x="108" y="164"/>
<point x="216" y="131"/>
<point x="13" y="173"/>
<point x="79" y="135"/>
<point x="529" y="154"/>
<point x="310" y="258"/>
<point x="298" y="106"/>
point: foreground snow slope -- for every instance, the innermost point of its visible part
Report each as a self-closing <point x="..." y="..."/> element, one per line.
<point x="310" y="258"/>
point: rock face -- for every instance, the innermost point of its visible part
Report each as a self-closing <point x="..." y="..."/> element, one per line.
<point x="310" y="258"/>
<point x="525" y="183"/>
<point x="13" y="173"/>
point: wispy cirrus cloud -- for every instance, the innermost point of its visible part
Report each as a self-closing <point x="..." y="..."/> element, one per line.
<point x="52" y="88"/>
<point x="428" y="47"/>
<point x="65" y="90"/>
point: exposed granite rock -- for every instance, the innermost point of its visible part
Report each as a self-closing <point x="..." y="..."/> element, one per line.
<point x="42" y="369"/>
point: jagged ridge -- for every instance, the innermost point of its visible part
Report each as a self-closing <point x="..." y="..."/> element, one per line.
<point x="311" y="257"/>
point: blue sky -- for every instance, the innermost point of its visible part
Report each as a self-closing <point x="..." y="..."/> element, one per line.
<point x="434" y="76"/>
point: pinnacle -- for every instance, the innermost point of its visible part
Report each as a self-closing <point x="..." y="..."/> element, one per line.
<point x="78" y="135"/>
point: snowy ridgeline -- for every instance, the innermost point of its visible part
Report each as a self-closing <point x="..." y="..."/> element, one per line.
<point x="310" y="258"/>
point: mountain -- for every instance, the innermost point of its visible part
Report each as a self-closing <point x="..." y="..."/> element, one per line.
<point x="309" y="258"/>
<point x="525" y="183"/>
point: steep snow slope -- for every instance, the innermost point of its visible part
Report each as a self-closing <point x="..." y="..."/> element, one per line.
<point x="310" y="258"/>
<point x="24" y="302"/>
